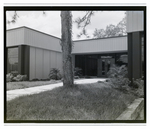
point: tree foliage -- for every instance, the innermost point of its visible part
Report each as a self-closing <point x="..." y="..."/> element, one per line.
<point x="112" y="30"/>
<point x="99" y="33"/>
<point x="84" y="22"/>
<point x="14" y="18"/>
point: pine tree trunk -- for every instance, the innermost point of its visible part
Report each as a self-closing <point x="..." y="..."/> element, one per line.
<point x="66" y="43"/>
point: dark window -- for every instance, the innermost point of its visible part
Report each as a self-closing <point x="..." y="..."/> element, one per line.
<point x="88" y="64"/>
<point x="12" y="60"/>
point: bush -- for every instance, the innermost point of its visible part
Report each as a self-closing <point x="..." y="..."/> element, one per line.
<point x="138" y="87"/>
<point x="11" y="77"/>
<point x="119" y="80"/>
<point x="35" y="79"/>
<point x="47" y="79"/>
<point x="118" y="77"/>
<point x="77" y="71"/>
<point x="55" y="74"/>
<point x="19" y="78"/>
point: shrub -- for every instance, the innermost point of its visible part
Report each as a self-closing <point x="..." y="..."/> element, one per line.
<point x="19" y="78"/>
<point x="118" y="77"/>
<point x="55" y="74"/>
<point x="35" y="79"/>
<point x="119" y="80"/>
<point x="77" y="71"/>
<point x="47" y="79"/>
<point x="9" y="77"/>
<point x="138" y="87"/>
<point x="15" y="73"/>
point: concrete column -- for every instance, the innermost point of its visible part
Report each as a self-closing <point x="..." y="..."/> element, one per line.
<point x="134" y="55"/>
<point x="136" y="49"/>
<point x="23" y="55"/>
<point x="130" y="56"/>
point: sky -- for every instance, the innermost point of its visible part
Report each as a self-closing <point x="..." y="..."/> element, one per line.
<point x="50" y="23"/>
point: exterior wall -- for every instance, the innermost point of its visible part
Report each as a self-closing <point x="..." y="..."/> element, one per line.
<point x="135" y="21"/>
<point x="135" y="28"/>
<point x="41" y="40"/>
<point x="15" y="37"/>
<point x="100" y="45"/>
<point x="45" y="50"/>
<point x="27" y="36"/>
<point x="41" y="62"/>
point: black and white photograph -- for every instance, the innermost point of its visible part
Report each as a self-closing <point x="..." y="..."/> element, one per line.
<point x="75" y="64"/>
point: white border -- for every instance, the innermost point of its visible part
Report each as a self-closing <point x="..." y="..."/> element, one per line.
<point x="68" y="3"/>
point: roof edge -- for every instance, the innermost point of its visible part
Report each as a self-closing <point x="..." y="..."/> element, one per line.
<point x="33" y="30"/>
<point x="100" y="38"/>
<point x="60" y="38"/>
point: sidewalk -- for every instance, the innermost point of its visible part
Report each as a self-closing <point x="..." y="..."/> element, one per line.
<point x="12" y="94"/>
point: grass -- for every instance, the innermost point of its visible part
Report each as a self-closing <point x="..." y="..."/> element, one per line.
<point x="83" y="102"/>
<point x="27" y="84"/>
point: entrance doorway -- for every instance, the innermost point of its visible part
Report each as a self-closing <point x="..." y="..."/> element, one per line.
<point x="97" y="64"/>
<point x="104" y="65"/>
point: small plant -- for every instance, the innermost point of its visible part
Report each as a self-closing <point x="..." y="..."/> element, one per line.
<point x="77" y="71"/>
<point x="138" y="87"/>
<point x="55" y="74"/>
<point x="35" y="79"/>
<point x="19" y="78"/>
<point x="9" y="77"/>
<point x="118" y="77"/>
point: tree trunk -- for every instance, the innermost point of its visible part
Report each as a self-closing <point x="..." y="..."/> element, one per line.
<point x="66" y="43"/>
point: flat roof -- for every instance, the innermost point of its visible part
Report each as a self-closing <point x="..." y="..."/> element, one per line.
<point x="60" y="38"/>
<point x="100" y="38"/>
<point x="33" y="30"/>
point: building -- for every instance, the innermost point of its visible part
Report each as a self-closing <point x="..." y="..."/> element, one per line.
<point x="33" y="53"/>
<point x="135" y="34"/>
<point x="95" y="56"/>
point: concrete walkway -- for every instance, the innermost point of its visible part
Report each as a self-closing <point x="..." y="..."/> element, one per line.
<point x="12" y="94"/>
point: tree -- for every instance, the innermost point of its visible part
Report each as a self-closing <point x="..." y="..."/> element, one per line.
<point x="122" y="26"/>
<point x="14" y="18"/>
<point x="83" y="22"/>
<point x="66" y="43"/>
<point x="99" y="33"/>
<point x="112" y="30"/>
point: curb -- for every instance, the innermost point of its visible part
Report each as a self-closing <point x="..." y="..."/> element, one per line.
<point x="133" y="111"/>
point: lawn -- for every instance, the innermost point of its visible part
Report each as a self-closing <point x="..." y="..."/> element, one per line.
<point x="95" y="101"/>
<point x="27" y="84"/>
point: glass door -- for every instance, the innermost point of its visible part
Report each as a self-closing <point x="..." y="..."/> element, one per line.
<point x="105" y="65"/>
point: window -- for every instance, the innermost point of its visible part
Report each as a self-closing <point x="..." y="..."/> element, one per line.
<point x="12" y="60"/>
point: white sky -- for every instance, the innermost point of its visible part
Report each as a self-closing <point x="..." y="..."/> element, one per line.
<point x="50" y="23"/>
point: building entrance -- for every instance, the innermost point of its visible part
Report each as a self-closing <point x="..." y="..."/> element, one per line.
<point x="104" y="65"/>
<point x="99" y="64"/>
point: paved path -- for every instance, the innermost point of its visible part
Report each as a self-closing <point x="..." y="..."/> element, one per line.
<point x="12" y="94"/>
